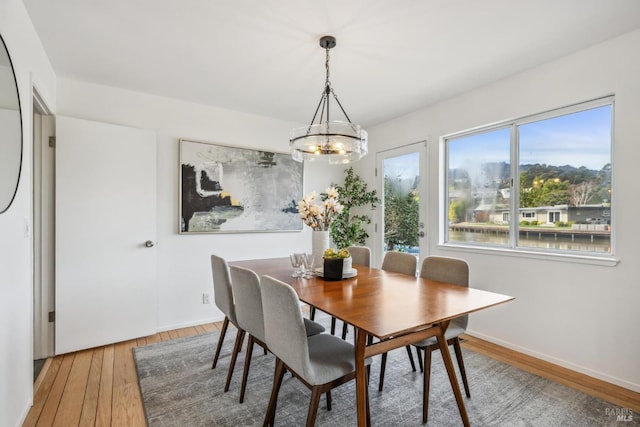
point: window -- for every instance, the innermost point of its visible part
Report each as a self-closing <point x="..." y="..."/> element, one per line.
<point x="551" y="170"/>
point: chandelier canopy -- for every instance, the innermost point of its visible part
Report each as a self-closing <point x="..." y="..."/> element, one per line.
<point x="337" y="142"/>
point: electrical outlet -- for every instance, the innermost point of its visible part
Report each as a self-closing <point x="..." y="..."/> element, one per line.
<point x="206" y="298"/>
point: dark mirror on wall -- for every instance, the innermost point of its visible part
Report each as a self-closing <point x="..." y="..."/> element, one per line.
<point x="10" y="131"/>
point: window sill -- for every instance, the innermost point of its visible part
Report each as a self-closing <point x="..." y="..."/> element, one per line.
<point x="605" y="260"/>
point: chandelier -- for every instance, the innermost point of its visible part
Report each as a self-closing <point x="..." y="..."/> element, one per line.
<point x="338" y="142"/>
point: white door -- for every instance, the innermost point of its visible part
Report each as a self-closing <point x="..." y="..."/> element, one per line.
<point x="401" y="214"/>
<point x="105" y="212"/>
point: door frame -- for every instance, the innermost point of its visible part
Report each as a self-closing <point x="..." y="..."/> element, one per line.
<point x="421" y="148"/>
<point x="43" y="236"/>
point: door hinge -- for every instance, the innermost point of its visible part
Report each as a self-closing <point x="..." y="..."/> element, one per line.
<point x="375" y="228"/>
<point x="52" y="316"/>
<point x="376" y="171"/>
<point x="52" y="141"/>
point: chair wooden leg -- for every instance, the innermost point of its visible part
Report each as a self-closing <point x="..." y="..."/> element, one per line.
<point x="223" y="332"/>
<point x="419" y="353"/>
<point x="425" y="386"/>
<point x="316" y="392"/>
<point x="333" y="325"/>
<point x="463" y="372"/>
<point x="270" y="416"/>
<point x="369" y="342"/>
<point x="312" y="313"/>
<point x="344" y="330"/>
<point x="413" y="365"/>
<point x="383" y="366"/>
<point x="236" y="349"/>
<point x="368" y="407"/>
<point x="328" y="396"/>
<point x="247" y="365"/>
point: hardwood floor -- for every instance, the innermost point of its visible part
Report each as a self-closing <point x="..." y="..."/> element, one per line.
<point x="603" y="390"/>
<point x="96" y="387"/>
<point x="99" y="386"/>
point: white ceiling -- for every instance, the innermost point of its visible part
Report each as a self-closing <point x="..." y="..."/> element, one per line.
<point x="263" y="57"/>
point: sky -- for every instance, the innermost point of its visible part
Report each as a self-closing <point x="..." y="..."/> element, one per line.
<point x="578" y="139"/>
<point x="404" y="166"/>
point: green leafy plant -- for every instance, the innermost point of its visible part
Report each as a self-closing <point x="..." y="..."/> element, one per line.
<point x="401" y="217"/>
<point x="349" y="228"/>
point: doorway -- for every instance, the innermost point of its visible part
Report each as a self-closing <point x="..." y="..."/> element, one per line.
<point x="43" y="233"/>
<point x="400" y="173"/>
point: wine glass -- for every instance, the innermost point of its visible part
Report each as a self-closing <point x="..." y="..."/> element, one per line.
<point x="296" y="262"/>
<point x="308" y="265"/>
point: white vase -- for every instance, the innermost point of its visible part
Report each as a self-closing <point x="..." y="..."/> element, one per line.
<point x="319" y="243"/>
<point x="347" y="265"/>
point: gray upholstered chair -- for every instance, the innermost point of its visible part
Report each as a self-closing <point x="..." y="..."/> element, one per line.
<point x="400" y="262"/>
<point x="223" y="297"/>
<point x="455" y="271"/>
<point x="246" y="291"/>
<point x="360" y="255"/>
<point x="248" y="302"/>
<point x="404" y="263"/>
<point x="321" y="362"/>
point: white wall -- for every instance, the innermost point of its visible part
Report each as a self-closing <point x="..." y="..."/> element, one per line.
<point x="16" y="333"/>
<point x="581" y="316"/>
<point x="184" y="271"/>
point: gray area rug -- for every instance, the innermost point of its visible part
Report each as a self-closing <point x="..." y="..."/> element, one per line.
<point x="179" y="388"/>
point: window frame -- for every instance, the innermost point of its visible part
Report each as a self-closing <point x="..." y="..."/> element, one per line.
<point x="512" y="248"/>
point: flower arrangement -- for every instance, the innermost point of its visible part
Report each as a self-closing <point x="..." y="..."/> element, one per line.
<point x="336" y="263"/>
<point x="320" y="216"/>
<point x="333" y="254"/>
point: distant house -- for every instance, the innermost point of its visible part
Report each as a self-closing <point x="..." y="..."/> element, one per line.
<point x="590" y="214"/>
<point x="547" y="215"/>
<point x="544" y="215"/>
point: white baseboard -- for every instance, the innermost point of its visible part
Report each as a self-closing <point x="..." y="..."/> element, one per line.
<point x="563" y="363"/>
<point x="165" y="328"/>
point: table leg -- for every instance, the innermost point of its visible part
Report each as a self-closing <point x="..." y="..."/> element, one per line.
<point x="361" y="378"/>
<point x="446" y="357"/>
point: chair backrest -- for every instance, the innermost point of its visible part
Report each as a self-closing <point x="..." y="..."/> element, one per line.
<point x="400" y="262"/>
<point x="283" y="325"/>
<point x="223" y="294"/>
<point x="360" y="255"/>
<point x="449" y="270"/>
<point x="248" y="301"/>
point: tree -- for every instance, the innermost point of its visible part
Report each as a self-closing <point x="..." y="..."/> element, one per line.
<point x="554" y="192"/>
<point x="457" y="211"/>
<point x="581" y="193"/>
<point x="401" y="214"/>
<point x="349" y="229"/>
<point x="541" y="191"/>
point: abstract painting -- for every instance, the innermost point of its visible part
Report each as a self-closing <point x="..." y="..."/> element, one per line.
<point x="237" y="190"/>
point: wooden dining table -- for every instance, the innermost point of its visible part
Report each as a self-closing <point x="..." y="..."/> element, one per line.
<point x="395" y="308"/>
